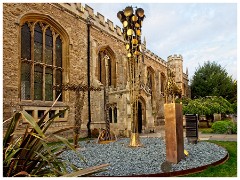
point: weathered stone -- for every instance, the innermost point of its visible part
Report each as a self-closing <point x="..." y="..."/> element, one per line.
<point x="72" y="19"/>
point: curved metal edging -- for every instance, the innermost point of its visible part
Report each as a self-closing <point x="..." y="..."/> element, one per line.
<point x="184" y="172"/>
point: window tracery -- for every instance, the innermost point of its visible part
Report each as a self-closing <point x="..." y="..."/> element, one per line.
<point x="41" y="61"/>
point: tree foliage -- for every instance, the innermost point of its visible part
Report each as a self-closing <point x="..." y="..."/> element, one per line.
<point x="208" y="106"/>
<point x="212" y="80"/>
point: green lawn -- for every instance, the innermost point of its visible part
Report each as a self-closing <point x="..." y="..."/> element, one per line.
<point x="205" y="130"/>
<point x="228" y="169"/>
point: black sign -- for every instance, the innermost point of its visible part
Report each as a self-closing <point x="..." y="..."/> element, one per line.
<point x="191" y="126"/>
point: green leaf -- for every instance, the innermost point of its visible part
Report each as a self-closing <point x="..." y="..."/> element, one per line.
<point x="66" y="142"/>
<point x="32" y="122"/>
<point x="11" y="128"/>
<point x="70" y="146"/>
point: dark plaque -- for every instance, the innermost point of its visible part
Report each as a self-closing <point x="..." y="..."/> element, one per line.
<point x="192" y="127"/>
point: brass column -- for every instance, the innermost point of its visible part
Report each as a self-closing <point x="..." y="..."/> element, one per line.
<point x="132" y="24"/>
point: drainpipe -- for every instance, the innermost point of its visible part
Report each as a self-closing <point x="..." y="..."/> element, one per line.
<point x="88" y="76"/>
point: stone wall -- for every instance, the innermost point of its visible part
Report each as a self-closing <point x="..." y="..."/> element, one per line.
<point x="72" y="17"/>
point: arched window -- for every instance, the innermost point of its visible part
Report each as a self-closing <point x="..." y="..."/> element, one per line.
<point x="115" y="114"/>
<point x="41" y="61"/>
<point x="110" y="114"/>
<point x="106" y="67"/>
<point x="163" y="79"/>
<point x="150" y="79"/>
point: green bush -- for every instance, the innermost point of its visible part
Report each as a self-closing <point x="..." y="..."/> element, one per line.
<point x="32" y="155"/>
<point x="234" y="128"/>
<point x="224" y="127"/>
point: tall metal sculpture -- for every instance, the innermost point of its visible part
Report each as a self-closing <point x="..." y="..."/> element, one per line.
<point x="132" y="24"/>
<point x="173" y="121"/>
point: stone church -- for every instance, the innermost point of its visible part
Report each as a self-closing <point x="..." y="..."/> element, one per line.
<point x="47" y="44"/>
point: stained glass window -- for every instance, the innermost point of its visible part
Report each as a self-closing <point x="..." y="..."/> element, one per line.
<point x="38" y="43"/>
<point x="49" y="47"/>
<point x="115" y="114"/>
<point x="58" y="52"/>
<point x="25" y="80"/>
<point x="99" y="67"/>
<point x="106" y="68"/>
<point x="40" y="74"/>
<point x="162" y="84"/>
<point x="109" y="72"/>
<point x="49" y="84"/>
<point x="25" y="42"/>
<point x="38" y="82"/>
<point x="58" y="82"/>
<point x="110" y="114"/>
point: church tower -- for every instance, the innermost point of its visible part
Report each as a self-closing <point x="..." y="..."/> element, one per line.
<point x="176" y="63"/>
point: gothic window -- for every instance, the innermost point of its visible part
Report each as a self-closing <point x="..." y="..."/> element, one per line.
<point x="41" y="61"/>
<point x="115" y="114"/>
<point x="106" y="68"/>
<point x="149" y="81"/>
<point x="110" y="114"/>
<point x="162" y="83"/>
<point x="109" y="72"/>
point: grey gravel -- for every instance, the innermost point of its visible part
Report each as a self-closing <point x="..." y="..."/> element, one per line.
<point x="126" y="161"/>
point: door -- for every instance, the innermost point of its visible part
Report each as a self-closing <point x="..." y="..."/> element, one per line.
<point x="139" y="117"/>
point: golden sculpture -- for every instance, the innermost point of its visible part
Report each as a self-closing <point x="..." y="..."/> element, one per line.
<point x="171" y="89"/>
<point x="132" y="24"/>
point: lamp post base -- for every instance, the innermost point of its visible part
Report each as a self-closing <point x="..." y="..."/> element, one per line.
<point x="134" y="140"/>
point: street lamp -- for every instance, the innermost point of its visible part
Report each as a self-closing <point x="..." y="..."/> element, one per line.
<point x="132" y="24"/>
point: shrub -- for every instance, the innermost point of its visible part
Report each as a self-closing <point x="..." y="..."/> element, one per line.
<point x="32" y="155"/>
<point x="224" y="127"/>
<point x="234" y="128"/>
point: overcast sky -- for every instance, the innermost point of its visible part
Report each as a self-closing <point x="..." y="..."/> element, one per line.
<point x="199" y="32"/>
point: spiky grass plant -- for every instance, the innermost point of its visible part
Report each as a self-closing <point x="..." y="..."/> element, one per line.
<point x="32" y="155"/>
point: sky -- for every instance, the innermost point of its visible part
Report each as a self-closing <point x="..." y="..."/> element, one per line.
<point x="200" y="32"/>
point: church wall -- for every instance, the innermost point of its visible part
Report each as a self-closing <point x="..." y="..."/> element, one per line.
<point x="72" y="18"/>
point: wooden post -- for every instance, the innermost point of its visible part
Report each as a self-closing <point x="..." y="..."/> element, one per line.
<point x="174" y="132"/>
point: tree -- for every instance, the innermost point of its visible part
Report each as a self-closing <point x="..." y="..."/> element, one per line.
<point x="208" y="106"/>
<point x="212" y="80"/>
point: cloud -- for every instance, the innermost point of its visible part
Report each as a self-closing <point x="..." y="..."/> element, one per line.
<point x="199" y="32"/>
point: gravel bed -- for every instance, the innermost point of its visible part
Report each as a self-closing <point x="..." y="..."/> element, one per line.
<point x="126" y="161"/>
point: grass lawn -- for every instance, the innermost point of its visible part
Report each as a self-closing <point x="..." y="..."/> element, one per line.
<point x="228" y="169"/>
<point x="205" y="130"/>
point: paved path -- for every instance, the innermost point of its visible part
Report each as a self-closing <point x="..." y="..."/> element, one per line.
<point x="217" y="137"/>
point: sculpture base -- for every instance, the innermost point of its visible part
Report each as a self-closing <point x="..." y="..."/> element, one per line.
<point x="174" y="132"/>
<point x="134" y="140"/>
